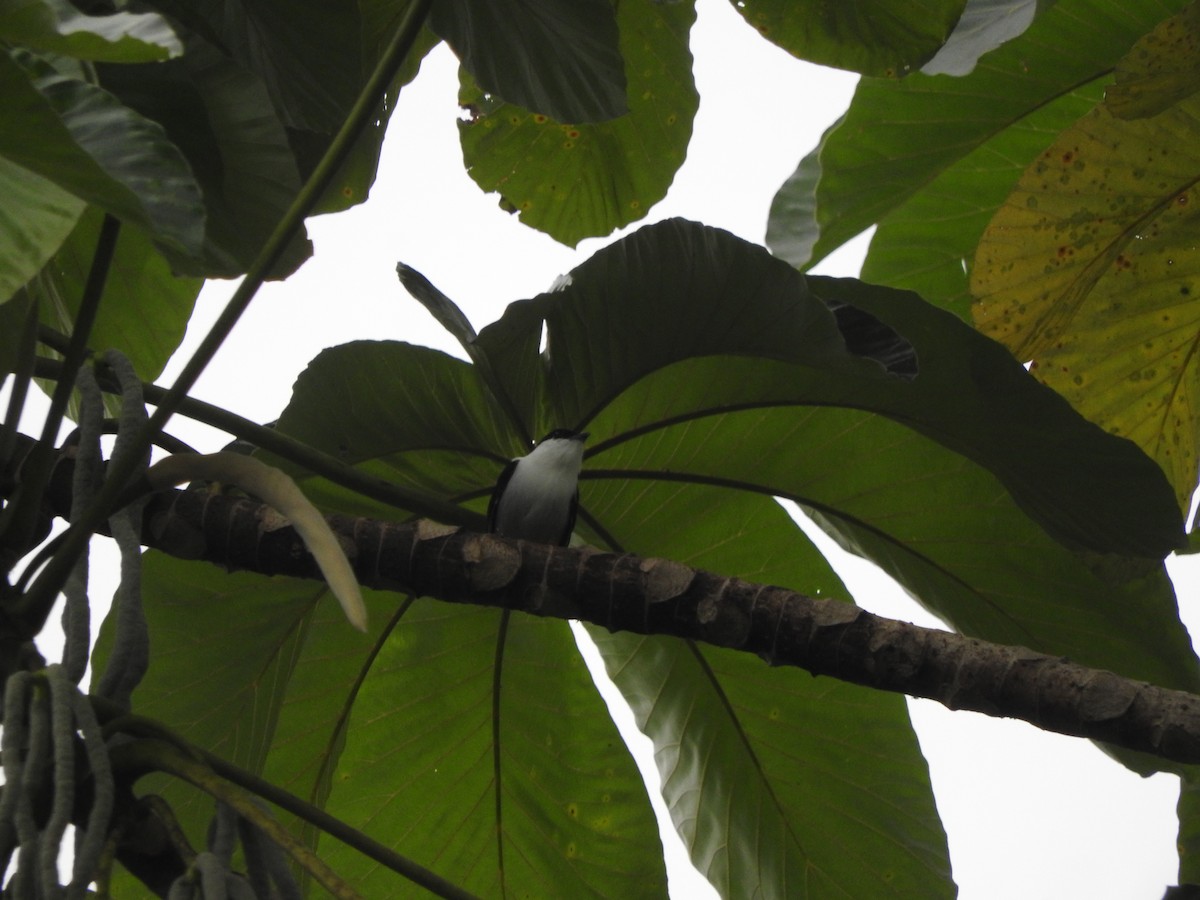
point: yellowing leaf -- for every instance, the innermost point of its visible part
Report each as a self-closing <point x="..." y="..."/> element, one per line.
<point x="1090" y="270"/>
<point x="1161" y="69"/>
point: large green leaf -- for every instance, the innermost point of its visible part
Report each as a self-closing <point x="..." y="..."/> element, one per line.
<point x="144" y="309"/>
<point x="582" y="180"/>
<point x="417" y="723"/>
<point x="260" y="671"/>
<point x="805" y="754"/>
<point x="369" y="404"/>
<point x="331" y="664"/>
<point x="12" y="321"/>
<point x="484" y="751"/>
<point x="354" y="179"/>
<point x="701" y="364"/>
<point x="223" y="648"/>
<point x="559" y="58"/>
<point x="508" y="801"/>
<point x="782" y="785"/>
<point x="639" y="348"/>
<point x="55" y="26"/>
<point x="740" y="534"/>
<point x="82" y="139"/>
<point x="620" y="342"/>
<point x="983" y="26"/>
<point x="692" y="355"/>
<point x="927" y="243"/>
<point x="748" y="535"/>
<point x="898" y="137"/>
<point x="35" y="219"/>
<point x="885" y="37"/>
<point x="220" y="116"/>
<point x="675" y="292"/>
<point x="307" y="53"/>
<point x="1189" y="832"/>
<point x="1089" y="270"/>
<point x="944" y="528"/>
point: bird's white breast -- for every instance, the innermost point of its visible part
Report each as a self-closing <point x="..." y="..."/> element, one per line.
<point x="538" y="496"/>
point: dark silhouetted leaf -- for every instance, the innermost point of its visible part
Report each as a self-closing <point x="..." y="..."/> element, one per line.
<point x="559" y="58"/>
<point x="886" y="37"/>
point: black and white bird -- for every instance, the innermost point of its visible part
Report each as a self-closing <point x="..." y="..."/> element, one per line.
<point x="537" y="496"/>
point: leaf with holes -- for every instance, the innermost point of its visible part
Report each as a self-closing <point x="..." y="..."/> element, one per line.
<point x="574" y="181"/>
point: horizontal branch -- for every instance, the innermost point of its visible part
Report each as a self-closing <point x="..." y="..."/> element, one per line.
<point x="624" y="592"/>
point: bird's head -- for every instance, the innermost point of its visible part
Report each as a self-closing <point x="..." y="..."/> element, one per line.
<point x="561" y="447"/>
<point x="564" y="434"/>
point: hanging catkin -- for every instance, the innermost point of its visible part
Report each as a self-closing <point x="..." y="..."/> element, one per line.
<point x="76" y="615"/>
<point x="131" y="645"/>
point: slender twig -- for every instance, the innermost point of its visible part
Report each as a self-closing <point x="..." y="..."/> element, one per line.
<point x="498" y="744"/>
<point x="34" y="606"/>
<point x="164" y="441"/>
<point x="81" y="331"/>
<point x="53" y="338"/>
<point x="22" y="376"/>
<point x="335" y="827"/>
<point x="151" y="755"/>
<point x="419" y="503"/>
<point x="20" y="516"/>
<point x="129" y="724"/>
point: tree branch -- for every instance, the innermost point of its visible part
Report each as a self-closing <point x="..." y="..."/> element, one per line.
<point x="623" y="592"/>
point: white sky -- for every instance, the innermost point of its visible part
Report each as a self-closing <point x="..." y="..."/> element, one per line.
<point x="1029" y="814"/>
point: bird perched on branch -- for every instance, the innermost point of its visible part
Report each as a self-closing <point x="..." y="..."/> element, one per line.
<point x="536" y="496"/>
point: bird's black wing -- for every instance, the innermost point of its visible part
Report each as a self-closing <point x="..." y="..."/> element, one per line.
<point x="569" y="529"/>
<point x="497" y="492"/>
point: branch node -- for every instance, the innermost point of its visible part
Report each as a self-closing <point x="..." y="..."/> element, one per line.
<point x="832" y="613"/>
<point x="493" y="564"/>
<point x="665" y="579"/>
<point x="1104" y="696"/>
<point x="428" y="529"/>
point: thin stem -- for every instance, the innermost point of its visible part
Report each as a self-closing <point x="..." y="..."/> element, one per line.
<point x="33" y="608"/>
<point x="81" y="332"/>
<point x="124" y="723"/>
<point x="17" y="520"/>
<point x="22" y="376"/>
<point x="497" y="760"/>
<point x="20" y="516"/>
<point x="151" y="755"/>
<point x="335" y="827"/>
<point x="318" y="462"/>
